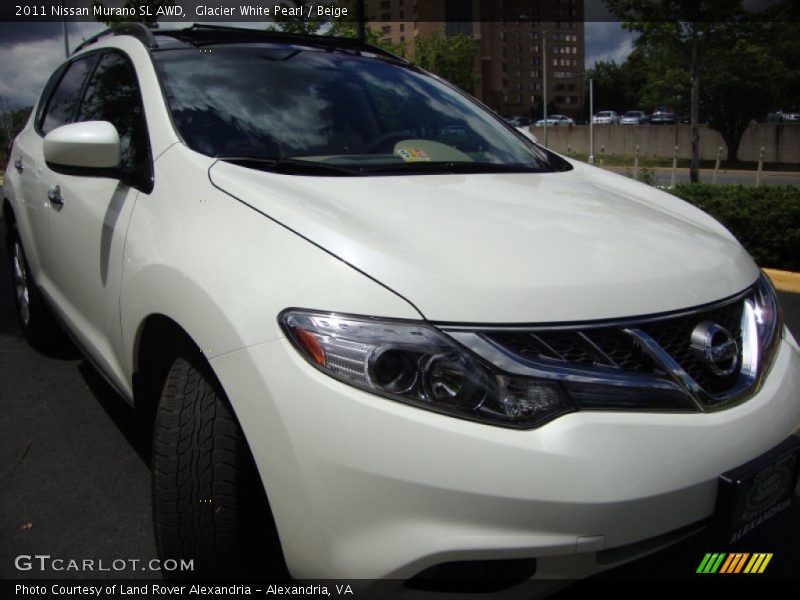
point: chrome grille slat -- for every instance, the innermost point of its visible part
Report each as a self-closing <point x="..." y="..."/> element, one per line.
<point x="657" y="347"/>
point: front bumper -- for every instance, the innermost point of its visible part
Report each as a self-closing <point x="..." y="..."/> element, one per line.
<point x="364" y="487"/>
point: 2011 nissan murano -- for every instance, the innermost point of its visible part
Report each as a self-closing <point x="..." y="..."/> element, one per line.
<point x="371" y="331"/>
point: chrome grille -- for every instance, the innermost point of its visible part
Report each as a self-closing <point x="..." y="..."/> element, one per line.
<point x="611" y="347"/>
<point x="673" y="336"/>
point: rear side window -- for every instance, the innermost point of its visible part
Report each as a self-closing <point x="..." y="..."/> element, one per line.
<point x="64" y="100"/>
<point x="112" y="95"/>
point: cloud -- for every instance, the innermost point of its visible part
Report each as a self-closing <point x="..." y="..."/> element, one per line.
<point x="30" y="55"/>
<point x="607" y="41"/>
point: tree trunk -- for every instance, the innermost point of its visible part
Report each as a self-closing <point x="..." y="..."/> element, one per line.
<point x="732" y="135"/>
<point x="694" y="171"/>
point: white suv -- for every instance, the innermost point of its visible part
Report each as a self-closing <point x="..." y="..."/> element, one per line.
<point x="362" y="346"/>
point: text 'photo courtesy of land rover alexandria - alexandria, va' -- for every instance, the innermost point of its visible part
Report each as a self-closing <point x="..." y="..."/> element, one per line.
<point x="370" y="330"/>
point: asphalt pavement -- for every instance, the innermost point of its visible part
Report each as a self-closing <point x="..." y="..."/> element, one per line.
<point x="73" y="486"/>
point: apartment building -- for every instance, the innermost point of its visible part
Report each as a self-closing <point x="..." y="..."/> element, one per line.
<point x="521" y="45"/>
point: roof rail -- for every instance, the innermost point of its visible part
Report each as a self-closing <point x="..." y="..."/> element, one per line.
<point x="137" y="30"/>
<point x="224" y="33"/>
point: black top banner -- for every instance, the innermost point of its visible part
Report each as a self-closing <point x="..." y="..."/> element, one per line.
<point x="375" y="11"/>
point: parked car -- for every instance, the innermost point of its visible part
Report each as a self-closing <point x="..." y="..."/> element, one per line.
<point x="606" y="117"/>
<point x="518" y="121"/>
<point x="359" y="350"/>
<point x="555" y="120"/>
<point x="662" y="116"/>
<point x="780" y="117"/>
<point x="634" y="117"/>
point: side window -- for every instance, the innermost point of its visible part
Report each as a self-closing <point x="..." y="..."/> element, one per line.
<point x="113" y="95"/>
<point x="61" y="105"/>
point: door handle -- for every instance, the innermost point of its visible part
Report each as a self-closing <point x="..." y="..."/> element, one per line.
<point x="19" y="165"/>
<point x="56" y="199"/>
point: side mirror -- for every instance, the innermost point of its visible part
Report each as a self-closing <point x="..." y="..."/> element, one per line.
<point x="89" y="145"/>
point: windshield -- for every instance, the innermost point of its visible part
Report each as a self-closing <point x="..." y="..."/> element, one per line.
<point x="278" y="105"/>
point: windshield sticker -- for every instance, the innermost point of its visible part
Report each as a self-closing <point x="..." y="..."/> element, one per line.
<point x="412" y="154"/>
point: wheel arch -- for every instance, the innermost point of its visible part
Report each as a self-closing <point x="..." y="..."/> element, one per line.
<point x="159" y="340"/>
<point x="9" y="218"/>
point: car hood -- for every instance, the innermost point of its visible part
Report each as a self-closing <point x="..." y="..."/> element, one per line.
<point x="511" y="248"/>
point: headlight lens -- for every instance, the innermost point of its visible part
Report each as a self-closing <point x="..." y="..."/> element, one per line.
<point x="768" y="320"/>
<point x="416" y="364"/>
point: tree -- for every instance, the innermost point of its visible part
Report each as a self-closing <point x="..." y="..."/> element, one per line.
<point x="686" y="30"/>
<point x="779" y="32"/>
<point x="741" y="86"/>
<point x="618" y="86"/>
<point x="372" y="36"/>
<point x="293" y="17"/>
<point x="338" y="27"/>
<point x="451" y="57"/>
<point x="11" y="123"/>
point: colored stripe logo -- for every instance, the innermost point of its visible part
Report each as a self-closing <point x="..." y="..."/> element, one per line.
<point x="736" y="562"/>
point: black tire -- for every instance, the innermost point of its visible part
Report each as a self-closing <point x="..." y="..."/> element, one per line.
<point x="35" y="320"/>
<point x="208" y="502"/>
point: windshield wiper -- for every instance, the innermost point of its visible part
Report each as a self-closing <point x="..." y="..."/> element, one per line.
<point x="290" y="166"/>
<point x="426" y="167"/>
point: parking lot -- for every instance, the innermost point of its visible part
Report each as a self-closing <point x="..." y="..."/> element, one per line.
<point x="73" y="486"/>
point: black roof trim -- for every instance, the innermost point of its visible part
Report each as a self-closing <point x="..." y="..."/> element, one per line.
<point x="137" y="30"/>
<point x="199" y="34"/>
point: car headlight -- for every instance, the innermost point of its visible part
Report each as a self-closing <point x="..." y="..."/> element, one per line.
<point x="769" y="323"/>
<point x="416" y="364"/>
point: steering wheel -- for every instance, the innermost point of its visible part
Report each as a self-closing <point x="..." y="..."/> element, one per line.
<point x="383" y="141"/>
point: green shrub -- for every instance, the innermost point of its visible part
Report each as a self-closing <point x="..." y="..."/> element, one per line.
<point x="765" y="219"/>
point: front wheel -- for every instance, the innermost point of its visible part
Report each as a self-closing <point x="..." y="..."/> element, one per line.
<point x="208" y="502"/>
<point x="35" y="321"/>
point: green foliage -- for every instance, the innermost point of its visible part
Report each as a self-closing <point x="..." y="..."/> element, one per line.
<point x="372" y="36"/>
<point x="742" y="85"/>
<point x="766" y="219"/>
<point x="299" y="23"/>
<point x="451" y="57"/>
<point x="11" y="123"/>
<point x="646" y="175"/>
<point x="618" y="87"/>
<point x="743" y="64"/>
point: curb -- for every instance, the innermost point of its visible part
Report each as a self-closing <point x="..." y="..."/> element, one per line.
<point x="784" y="281"/>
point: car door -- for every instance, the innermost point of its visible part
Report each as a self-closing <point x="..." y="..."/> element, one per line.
<point x="56" y="107"/>
<point x="88" y="230"/>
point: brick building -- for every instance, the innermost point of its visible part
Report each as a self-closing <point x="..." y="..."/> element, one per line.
<point x="517" y="41"/>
